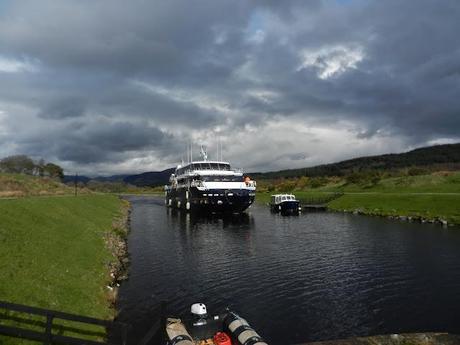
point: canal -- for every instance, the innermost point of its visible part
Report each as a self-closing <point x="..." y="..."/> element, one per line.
<point x="314" y="277"/>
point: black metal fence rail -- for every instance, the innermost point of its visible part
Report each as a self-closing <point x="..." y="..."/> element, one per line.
<point x="47" y="336"/>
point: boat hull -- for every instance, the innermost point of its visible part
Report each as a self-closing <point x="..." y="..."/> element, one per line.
<point x="210" y="200"/>
<point x="286" y="207"/>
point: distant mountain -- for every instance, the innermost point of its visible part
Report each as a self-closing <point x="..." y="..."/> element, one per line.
<point x="86" y="179"/>
<point x="439" y="155"/>
<point x="113" y="178"/>
<point x="71" y="179"/>
<point x="152" y="179"/>
<point x="147" y="179"/>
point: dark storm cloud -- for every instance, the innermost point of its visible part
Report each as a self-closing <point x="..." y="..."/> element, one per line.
<point x="96" y="140"/>
<point x="162" y="38"/>
<point x="62" y="108"/>
<point x="105" y="81"/>
<point x="407" y="78"/>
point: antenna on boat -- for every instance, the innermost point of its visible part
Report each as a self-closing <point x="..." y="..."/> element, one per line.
<point x="188" y="154"/>
<point x="220" y="144"/>
<point x="203" y="153"/>
<point x="191" y="151"/>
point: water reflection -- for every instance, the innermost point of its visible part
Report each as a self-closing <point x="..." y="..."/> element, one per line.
<point x="193" y="220"/>
<point x="312" y="277"/>
<point x="196" y="228"/>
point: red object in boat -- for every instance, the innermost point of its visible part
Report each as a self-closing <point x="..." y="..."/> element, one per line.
<point x="221" y="338"/>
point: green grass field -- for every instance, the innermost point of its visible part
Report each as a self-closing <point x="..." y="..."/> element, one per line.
<point x="53" y="254"/>
<point x="434" y="196"/>
<point x="428" y="206"/>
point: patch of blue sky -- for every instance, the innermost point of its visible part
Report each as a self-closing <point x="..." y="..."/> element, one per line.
<point x="4" y="5"/>
<point x="256" y="22"/>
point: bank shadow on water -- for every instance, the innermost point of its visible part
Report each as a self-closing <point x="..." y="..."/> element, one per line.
<point x="313" y="277"/>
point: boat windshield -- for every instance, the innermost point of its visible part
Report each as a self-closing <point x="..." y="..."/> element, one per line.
<point x="211" y="166"/>
<point x="203" y="166"/>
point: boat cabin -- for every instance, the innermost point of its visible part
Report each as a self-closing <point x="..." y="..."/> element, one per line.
<point x="279" y="198"/>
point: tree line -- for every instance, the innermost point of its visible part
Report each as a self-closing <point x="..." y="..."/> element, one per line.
<point x="22" y="164"/>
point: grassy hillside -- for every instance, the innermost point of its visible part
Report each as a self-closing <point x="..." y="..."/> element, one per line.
<point x="53" y="253"/>
<point x="18" y="185"/>
<point x="21" y="185"/>
<point x="439" y="182"/>
<point x="439" y="157"/>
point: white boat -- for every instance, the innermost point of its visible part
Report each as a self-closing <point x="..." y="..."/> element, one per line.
<point x="285" y="204"/>
<point x="209" y="186"/>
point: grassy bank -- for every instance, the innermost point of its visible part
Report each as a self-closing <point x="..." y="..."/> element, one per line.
<point x="432" y="197"/>
<point x="20" y="185"/>
<point x="53" y="253"/>
<point x="419" y="206"/>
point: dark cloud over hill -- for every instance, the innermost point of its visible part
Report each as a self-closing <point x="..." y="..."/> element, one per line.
<point x="115" y="86"/>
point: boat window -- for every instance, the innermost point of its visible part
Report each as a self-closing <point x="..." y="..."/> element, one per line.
<point x="223" y="166"/>
<point x="284" y="198"/>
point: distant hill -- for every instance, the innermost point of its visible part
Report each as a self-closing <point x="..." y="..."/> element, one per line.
<point x="152" y="179"/>
<point x="71" y="179"/>
<point x="439" y="155"/>
<point x="113" y="178"/>
<point x="147" y="179"/>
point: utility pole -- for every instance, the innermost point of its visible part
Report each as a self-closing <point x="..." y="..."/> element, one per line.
<point x="76" y="183"/>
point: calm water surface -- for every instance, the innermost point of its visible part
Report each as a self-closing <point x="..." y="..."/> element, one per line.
<point x="313" y="277"/>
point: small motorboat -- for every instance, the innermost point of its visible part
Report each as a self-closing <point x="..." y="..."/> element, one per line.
<point x="200" y="329"/>
<point x="285" y="204"/>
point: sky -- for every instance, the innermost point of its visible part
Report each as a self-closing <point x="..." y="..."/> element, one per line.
<point x="112" y="86"/>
